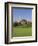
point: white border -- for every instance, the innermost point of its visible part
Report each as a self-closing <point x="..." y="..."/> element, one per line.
<point x="28" y="38"/>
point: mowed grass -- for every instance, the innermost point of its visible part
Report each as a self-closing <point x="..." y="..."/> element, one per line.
<point x="20" y="31"/>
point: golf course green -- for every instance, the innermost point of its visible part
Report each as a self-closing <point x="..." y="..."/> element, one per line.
<point x="20" y="31"/>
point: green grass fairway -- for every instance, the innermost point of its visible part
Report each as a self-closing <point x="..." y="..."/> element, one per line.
<point x="20" y="31"/>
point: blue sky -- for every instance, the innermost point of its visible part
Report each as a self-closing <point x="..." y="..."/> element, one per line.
<point x="19" y="14"/>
